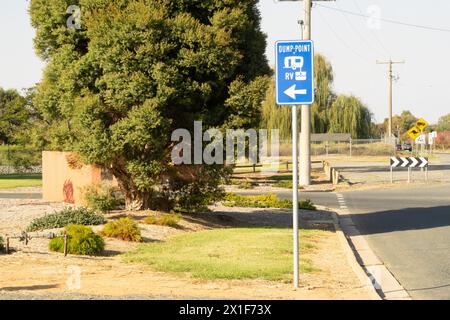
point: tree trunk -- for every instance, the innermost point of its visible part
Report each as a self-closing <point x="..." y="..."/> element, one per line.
<point x="135" y="200"/>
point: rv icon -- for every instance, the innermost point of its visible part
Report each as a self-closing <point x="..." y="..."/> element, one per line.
<point x="293" y="63"/>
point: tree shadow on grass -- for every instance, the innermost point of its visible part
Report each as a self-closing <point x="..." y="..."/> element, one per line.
<point x="256" y="218"/>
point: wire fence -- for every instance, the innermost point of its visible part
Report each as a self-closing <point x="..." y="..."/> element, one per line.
<point x="14" y="159"/>
<point x="359" y="147"/>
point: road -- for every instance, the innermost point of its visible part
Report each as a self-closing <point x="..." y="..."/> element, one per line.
<point x="408" y="229"/>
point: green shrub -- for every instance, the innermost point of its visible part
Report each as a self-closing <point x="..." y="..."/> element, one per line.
<point x="79" y="216"/>
<point x="81" y="240"/>
<point x="244" y="184"/>
<point x="168" y="220"/>
<point x="283" y="184"/>
<point x="307" y="205"/>
<point x="101" y="198"/>
<point x="264" y="201"/>
<point x="124" y="229"/>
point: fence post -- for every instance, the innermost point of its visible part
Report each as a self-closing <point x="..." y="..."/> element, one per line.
<point x="351" y="147"/>
<point x="65" y="243"/>
<point x="254" y="168"/>
<point x="7" y="245"/>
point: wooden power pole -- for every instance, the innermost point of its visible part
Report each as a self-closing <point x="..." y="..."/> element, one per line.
<point x="391" y="81"/>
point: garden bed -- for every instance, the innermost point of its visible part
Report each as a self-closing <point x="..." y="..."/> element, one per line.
<point x="32" y="271"/>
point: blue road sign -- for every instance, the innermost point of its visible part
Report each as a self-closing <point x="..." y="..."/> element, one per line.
<point x="295" y="72"/>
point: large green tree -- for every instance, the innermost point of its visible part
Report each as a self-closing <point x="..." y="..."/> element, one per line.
<point x="444" y="123"/>
<point x="13" y="114"/>
<point x="400" y="123"/>
<point x="115" y="89"/>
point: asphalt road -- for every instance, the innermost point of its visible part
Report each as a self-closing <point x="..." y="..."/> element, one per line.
<point x="408" y="229"/>
<point x="8" y="195"/>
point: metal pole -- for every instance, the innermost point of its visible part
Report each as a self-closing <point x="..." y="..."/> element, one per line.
<point x="409" y="175"/>
<point x="305" y="135"/>
<point x="295" y="195"/>
<point x="390" y="100"/>
<point x="392" y="175"/>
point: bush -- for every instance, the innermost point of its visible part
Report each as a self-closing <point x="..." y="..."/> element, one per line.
<point x="68" y="216"/>
<point x="244" y="184"/>
<point x="168" y="220"/>
<point x="124" y="229"/>
<point x="81" y="240"/>
<point x="101" y="198"/>
<point x="264" y="201"/>
<point x="1" y="243"/>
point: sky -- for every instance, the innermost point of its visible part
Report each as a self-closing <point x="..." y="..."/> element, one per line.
<point x="350" y="42"/>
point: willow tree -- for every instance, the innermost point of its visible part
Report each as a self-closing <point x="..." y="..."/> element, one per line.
<point x="277" y="117"/>
<point x="115" y="90"/>
<point x="323" y="77"/>
<point x="349" y="115"/>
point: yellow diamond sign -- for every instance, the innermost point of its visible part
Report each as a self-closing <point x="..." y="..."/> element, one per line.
<point x="421" y="124"/>
<point x="414" y="133"/>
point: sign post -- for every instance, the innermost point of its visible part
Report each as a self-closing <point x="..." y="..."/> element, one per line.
<point x="295" y="86"/>
<point x="410" y="163"/>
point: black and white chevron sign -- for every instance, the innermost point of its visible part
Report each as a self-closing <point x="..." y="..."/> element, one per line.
<point x="409" y="162"/>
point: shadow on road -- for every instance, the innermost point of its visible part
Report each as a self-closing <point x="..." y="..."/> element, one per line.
<point x="402" y="220"/>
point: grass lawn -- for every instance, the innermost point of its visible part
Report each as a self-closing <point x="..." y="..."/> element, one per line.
<point x="243" y="253"/>
<point x="11" y="181"/>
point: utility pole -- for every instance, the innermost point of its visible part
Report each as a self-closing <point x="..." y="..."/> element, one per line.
<point x="391" y="80"/>
<point x="305" y="134"/>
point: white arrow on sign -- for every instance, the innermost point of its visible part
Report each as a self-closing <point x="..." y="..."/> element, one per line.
<point x="424" y="162"/>
<point x="292" y="92"/>
<point x="405" y="162"/>
<point x="415" y="162"/>
<point x="395" y="162"/>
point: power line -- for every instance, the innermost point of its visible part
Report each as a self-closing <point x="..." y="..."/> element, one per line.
<point x="387" y="20"/>
<point x="356" y="31"/>
<point x="373" y="32"/>
<point x="341" y="40"/>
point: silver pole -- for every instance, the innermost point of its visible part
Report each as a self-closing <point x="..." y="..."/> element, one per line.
<point x="392" y="175"/>
<point x="295" y="195"/>
<point x="409" y="175"/>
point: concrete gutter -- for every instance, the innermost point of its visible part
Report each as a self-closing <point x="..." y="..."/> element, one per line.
<point x="372" y="273"/>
